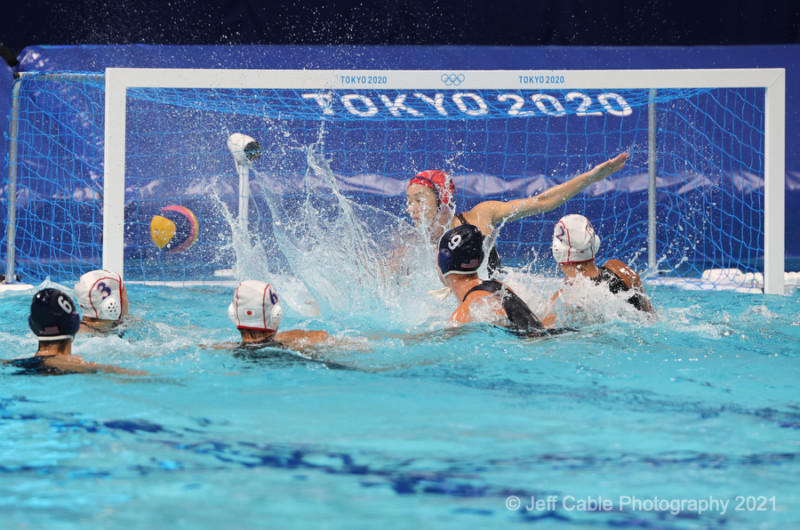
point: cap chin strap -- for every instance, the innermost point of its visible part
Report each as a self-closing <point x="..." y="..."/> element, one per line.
<point x="110" y="309"/>
<point x="54" y="338"/>
<point x="440" y="294"/>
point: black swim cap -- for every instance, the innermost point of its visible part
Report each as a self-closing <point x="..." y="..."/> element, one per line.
<point x="53" y="315"/>
<point x="461" y="250"/>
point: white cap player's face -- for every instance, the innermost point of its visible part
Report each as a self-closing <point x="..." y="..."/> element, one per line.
<point x="421" y="205"/>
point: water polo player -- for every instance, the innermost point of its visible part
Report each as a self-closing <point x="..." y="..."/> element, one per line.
<point x="103" y="300"/>
<point x="575" y="246"/>
<point x="55" y="321"/>
<point x="257" y="313"/>
<point x="460" y="253"/>
<point x="430" y="202"/>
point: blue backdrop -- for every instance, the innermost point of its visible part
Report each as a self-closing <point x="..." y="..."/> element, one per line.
<point x="97" y="58"/>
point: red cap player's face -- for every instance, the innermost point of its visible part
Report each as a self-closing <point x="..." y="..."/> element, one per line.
<point x="421" y="205"/>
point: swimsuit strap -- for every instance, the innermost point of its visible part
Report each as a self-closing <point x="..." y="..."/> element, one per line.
<point x="461" y="218"/>
<point x="519" y="314"/>
<point x="490" y="286"/>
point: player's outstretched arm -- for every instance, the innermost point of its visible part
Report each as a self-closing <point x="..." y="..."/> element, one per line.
<point x="498" y="212"/>
<point x="302" y="339"/>
<point x="73" y="363"/>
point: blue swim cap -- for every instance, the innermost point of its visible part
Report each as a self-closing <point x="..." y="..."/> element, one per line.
<point x="53" y="315"/>
<point x="460" y="250"/>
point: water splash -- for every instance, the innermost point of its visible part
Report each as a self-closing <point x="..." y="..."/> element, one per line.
<point x="251" y="251"/>
<point x="356" y="260"/>
<point x="257" y="257"/>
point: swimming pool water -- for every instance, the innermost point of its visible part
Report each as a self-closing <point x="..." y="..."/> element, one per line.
<point x="427" y="427"/>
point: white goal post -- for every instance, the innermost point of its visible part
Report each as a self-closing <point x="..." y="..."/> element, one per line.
<point x="119" y="80"/>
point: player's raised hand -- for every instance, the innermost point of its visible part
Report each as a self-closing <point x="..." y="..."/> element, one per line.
<point x="609" y="167"/>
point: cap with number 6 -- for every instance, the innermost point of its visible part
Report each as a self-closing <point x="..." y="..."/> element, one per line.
<point x="53" y="315"/>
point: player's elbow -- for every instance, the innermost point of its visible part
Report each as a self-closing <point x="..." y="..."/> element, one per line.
<point x="549" y="320"/>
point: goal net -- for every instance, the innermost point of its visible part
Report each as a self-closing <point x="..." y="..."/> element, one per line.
<point x="95" y="157"/>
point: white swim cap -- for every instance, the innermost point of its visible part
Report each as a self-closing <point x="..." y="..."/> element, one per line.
<point x="574" y="240"/>
<point x="99" y="294"/>
<point x="255" y="306"/>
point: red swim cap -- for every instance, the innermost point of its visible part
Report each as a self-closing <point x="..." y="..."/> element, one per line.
<point x="440" y="182"/>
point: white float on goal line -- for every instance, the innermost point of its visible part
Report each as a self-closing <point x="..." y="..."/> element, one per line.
<point x="724" y="280"/>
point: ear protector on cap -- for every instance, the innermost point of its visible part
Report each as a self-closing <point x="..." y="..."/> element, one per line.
<point x="110" y="308"/>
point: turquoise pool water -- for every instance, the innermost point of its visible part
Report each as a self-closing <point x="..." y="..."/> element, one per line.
<point x="628" y="422"/>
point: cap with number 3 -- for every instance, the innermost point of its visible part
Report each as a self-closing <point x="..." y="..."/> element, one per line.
<point x="99" y="294"/>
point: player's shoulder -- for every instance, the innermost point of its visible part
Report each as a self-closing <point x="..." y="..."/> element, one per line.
<point x="462" y="313"/>
<point x="484" y="208"/>
<point x="625" y="273"/>
<point x="481" y="215"/>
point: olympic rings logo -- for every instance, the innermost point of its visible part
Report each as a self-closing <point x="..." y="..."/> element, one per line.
<point x="452" y="79"/>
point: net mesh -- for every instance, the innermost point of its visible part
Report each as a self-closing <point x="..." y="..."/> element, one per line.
<point x="497" y="145"/>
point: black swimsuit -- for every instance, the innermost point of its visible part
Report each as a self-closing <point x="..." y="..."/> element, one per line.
<point x="615" y="284"/>
<point x="493" y="265"/>
<point x="520" y="316"/>
<point x="36" y="365"/>
<point x="278" y="354"/>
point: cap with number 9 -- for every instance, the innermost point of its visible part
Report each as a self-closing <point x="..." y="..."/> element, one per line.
<point x="460" y="250"/>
